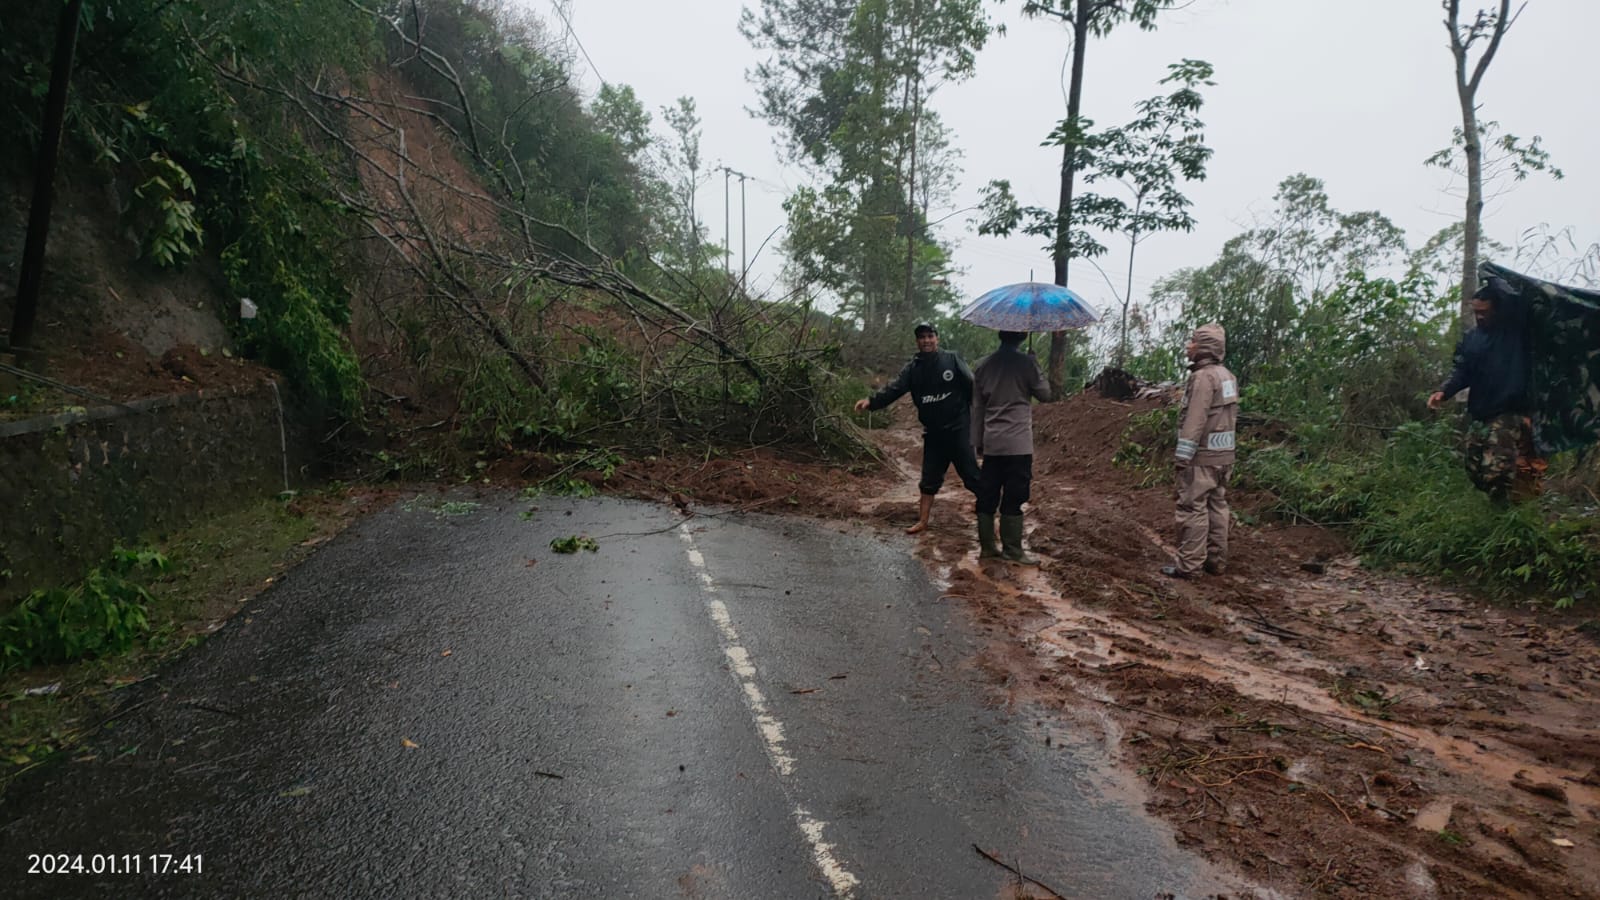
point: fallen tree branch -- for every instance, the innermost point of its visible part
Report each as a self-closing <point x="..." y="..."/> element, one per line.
<point x="1018" y="872"/>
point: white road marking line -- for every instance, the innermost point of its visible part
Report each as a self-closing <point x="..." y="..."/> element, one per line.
<point x="743" y="670"/>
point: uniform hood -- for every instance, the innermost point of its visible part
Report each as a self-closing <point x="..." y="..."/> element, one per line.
<point x="1211" y="341"/>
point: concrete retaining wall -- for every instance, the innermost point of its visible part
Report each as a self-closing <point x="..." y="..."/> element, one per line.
<point x="74" y="484"/>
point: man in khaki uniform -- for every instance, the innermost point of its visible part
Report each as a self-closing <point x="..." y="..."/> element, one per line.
<point x="1205" y="456"/>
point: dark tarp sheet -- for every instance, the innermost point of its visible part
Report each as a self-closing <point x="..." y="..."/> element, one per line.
<point x="1564" y="324"/>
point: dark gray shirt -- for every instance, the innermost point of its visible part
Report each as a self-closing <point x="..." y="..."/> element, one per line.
<point x="1005" y="383"/>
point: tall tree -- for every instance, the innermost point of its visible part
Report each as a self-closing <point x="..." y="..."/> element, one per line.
<point x="1485" y="163"/>
<point x="683" y="160"/>
<point x="848" y="86"/>
<point x="618" y="113"/>
<point x="1086" y="18"/>
<point x="1487" y="25"/>
<point x="1267" y="279"/>
<point x="1313" y="245"/>
<point x="1164" y="144"/>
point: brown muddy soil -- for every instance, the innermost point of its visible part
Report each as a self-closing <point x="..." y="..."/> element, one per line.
<point x="111" y="367"/>
<point x="1323" y="729"/>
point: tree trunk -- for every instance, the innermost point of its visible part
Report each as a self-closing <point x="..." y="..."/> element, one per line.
<point x="1467" y="92"/>
<point x="1471" y="227"/>
<point x="1069" y="154"/>
<point x="1127" y="298"/>
<point x="914" y="89"/>
<point x="55" y="108"/>
<point x="911" y="200"/>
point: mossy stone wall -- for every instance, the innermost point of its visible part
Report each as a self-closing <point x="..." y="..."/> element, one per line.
<point x="74" y="484"/>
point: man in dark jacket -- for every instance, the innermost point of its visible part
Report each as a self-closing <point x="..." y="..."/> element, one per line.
<point x="1494" y="360"/>
<point x="1005" y="385"/>
<point x="940" y="385"/>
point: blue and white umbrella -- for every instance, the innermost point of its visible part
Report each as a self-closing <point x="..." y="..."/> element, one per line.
<point x="1031" y="306"/>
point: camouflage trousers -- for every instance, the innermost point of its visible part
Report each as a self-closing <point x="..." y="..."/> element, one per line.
<point x="1501" y="459"/>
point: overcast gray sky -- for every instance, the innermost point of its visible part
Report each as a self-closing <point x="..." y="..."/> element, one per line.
<point x="1356" y="93"/>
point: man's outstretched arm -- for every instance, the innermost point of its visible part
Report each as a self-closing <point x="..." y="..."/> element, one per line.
<point x="889" y="393"/>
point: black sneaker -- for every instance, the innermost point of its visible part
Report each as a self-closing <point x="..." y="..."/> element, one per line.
<point x="1215" y="568"/>
<point x="1175" y="572"/>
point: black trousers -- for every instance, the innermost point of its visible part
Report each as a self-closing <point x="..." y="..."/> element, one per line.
<point x="941" y="449"/>
<point x="1005" y="484"/>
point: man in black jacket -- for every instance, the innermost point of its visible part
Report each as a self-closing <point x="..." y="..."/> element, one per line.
<point x="1494" y="360"/>
<point x="940" y="385"/>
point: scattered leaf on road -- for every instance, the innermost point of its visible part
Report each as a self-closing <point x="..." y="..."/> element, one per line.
<point x="804" y="691"/>
<point x="408" y="743"/>
<point x="295" y="792"/>
<point x="1562" y="842"/>
<point x="574" y="543"/>
<point x="446" y="652"/>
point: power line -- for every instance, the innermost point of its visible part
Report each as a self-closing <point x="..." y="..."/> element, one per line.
<point x="579" y="41"/>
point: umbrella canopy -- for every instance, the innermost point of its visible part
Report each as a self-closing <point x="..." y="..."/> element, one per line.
<point x="1031" y="306"/>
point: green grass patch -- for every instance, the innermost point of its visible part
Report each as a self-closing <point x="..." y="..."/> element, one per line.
<point x="183" y="584"/>
<point x="1408" y="503"/>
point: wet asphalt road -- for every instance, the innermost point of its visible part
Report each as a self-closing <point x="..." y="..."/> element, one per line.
<point x="740" y="708"/>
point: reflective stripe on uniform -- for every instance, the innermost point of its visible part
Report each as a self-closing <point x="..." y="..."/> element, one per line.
<point x="1186" y="448"/>
<point x="1220" y="440"/>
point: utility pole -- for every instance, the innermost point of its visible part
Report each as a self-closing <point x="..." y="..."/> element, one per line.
<point x="727" y="242"/>
<point x="744" y="265"/>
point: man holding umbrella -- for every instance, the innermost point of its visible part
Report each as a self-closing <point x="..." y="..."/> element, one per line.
<point x="940" y="385"/>
<point x="1006" y="384"/>
<point x="1008" y="381"/>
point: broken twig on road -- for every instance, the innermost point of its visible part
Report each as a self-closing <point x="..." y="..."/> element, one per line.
<point x="1017" y="872"/>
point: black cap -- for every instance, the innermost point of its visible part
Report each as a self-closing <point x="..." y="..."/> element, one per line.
<point x="924" y="326"/>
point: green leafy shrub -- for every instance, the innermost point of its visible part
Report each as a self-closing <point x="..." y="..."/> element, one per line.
<point x="103" y="616"/>
<point x="276" y="259"/>
<point x="1410" y="503"/>
<point x="175" y="233"/>
<point x="1148" y="443"/>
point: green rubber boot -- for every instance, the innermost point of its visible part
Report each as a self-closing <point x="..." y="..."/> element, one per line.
<point x="988" y="549"/>
<point x="1011" y="538"/>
